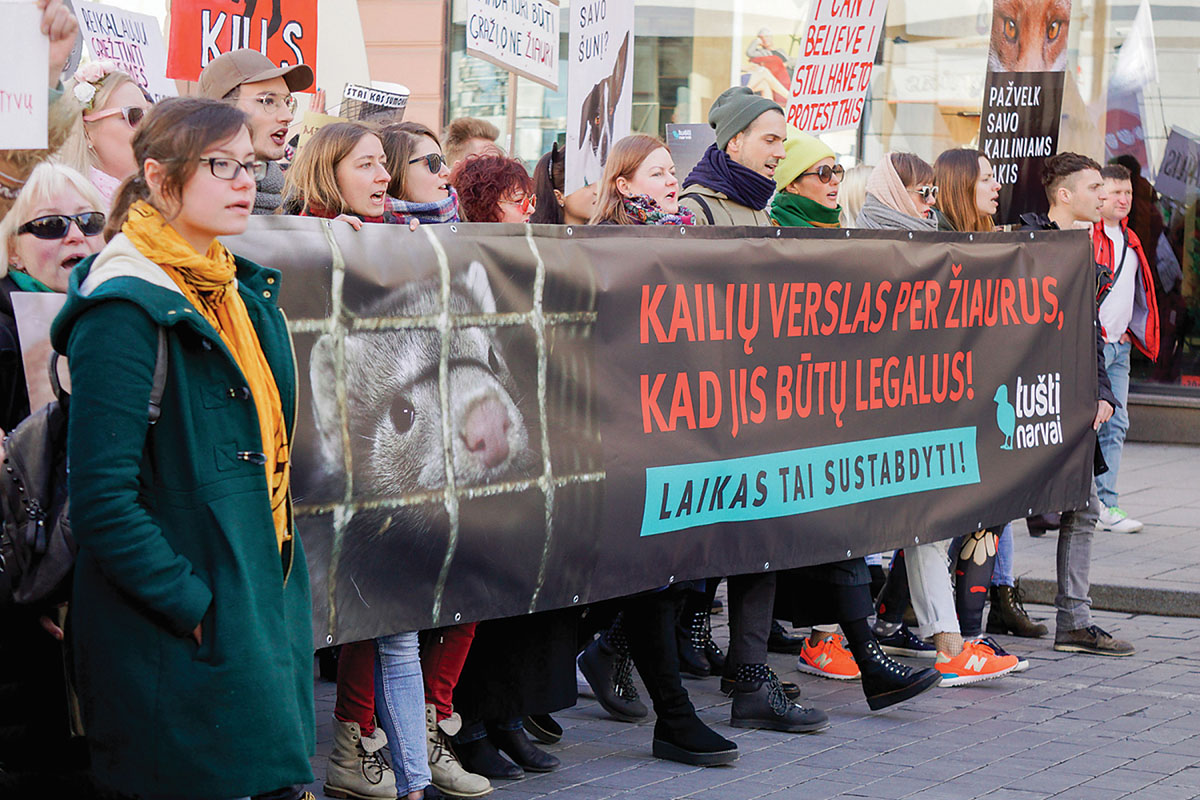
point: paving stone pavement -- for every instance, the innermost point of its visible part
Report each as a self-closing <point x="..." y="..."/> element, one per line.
<point x="1072" y="726"/>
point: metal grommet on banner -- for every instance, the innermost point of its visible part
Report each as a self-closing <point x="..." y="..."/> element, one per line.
<point x="457" y="616"/>
<point x="916" y="540"/>
<point x="671" y="579"/>
<point x="766" y="565"/>
<point x="910" y="234"/>
<point x="971" y="237"/>
<point x="570" y="230"/>
<point x="1030" y="512"/>
<point x="1031" y="234"/>
<point x="979" y="527"/>
<point x="778" y="232"/>
<point x="847" y="233"/>
<point x="575" y="599"/>
<point x="454" y="229"/>
<point x="329" y="639"/>
<point x="847" y="554"/>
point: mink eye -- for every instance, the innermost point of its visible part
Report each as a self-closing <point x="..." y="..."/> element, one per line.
<point x="1010" y="28"/>
<point x="493" y="361"/>
<point x="403" y="414"/>
<point x="1053" y="30"/>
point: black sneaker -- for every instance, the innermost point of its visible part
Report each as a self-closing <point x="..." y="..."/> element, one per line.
<point x="1092" y="640"/>
<point x="906" y="643"/>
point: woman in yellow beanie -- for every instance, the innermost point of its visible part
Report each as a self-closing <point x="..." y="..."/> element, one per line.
<point x="808" y="179"/>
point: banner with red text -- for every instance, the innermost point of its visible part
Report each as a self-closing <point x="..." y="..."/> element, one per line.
<point x="498" y="419"/>
<point x="834" y="69"/>
<point x="201" y="30"/>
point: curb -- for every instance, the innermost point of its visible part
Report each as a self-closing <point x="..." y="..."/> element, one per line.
<point x="1127" y="599"/>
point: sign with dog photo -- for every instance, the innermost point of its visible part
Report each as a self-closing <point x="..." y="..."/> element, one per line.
<point x="494" y="422"/>
<point x="1022" y="100"/>
<point x="599" y="86"/>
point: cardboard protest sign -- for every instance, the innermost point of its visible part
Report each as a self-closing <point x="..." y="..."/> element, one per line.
<point x="132" y="41"/>
<point x="34" y="311"/>
<point x="1022" y="101"/>
<point x="313" y="122"/>
<point x="639" y="416"/>
<point x="834" y="69"/>
<point x="201" y="30"/>
<point x="1179" y="174"/>
<point x="687" y="144"/>
<point x="24" y="66"/>
<point x="520" y="36"/>
<point x="599" y="86"/>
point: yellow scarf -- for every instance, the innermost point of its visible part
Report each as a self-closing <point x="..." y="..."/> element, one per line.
<point x="208" y="283"/>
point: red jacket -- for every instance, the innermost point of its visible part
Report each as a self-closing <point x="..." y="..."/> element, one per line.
<point x="1143" y="326"/>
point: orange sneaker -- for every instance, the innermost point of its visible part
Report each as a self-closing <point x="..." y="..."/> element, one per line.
<point x="829" y="659"/>
<point x="977" y="662"/>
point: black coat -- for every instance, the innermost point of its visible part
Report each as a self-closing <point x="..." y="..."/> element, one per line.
<point x="14" y="397"/>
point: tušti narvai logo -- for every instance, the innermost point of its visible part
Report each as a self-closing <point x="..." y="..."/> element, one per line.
<point x="1034" y="416"/>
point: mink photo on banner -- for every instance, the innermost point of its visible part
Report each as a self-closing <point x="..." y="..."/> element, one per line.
<point x="496" y="419"/>
<point x="1022" y="101"/>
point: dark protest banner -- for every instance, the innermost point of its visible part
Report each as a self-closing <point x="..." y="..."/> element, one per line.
<point x="1022" y="101"/>
<point x="626" y="411"/>
<point x="201" y="30"/>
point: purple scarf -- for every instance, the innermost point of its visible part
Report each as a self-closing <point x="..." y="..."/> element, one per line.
<point x="717" y="171"/>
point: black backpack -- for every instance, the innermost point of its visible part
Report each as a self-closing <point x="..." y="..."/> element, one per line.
<point x="37" y="549"/>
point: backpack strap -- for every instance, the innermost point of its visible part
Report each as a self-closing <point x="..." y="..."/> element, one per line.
<point x="159" y="383"/>
<point x="708" y="215"/>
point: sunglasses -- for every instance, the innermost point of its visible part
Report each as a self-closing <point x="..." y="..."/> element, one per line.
<point x="434" y="161"/>
<point x="132" y="114"/>
<point x="227" y="168"/>
<point x="527" y="204"/>
<point x="825" y="172"/>
<point x="56" y="226"/>
<point x="927" y="193"/>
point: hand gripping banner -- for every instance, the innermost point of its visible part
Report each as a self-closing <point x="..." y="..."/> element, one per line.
<point x="498" y="419"/>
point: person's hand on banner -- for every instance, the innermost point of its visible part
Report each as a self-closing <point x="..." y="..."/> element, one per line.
<point x="1104" y="410"/>
<point x="355" y="222"/>
<point x="60" y="27"/>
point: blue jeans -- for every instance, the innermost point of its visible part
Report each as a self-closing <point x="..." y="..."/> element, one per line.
<point x="1112" y="433"/>
<point x="400" y="707"/>
<point x="1002" y="570"/>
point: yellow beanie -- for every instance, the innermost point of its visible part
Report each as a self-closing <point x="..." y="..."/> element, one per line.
<point x="802" y="152"/>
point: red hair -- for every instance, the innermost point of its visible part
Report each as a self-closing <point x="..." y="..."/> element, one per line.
<point x="483" y="181"/>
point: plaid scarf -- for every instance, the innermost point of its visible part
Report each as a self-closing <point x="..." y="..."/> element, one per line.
<point x="428" y="213"/>
<point x="642" y="210"/>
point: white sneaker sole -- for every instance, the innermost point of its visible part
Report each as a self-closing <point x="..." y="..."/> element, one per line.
<point x="904" y="651"/>
<point x="803" y="666"/>
<point x="965" y="680"/>
<point x="1121" y="527"/>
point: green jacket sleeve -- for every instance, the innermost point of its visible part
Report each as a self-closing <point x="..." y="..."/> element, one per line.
<point x="112" y="351"/>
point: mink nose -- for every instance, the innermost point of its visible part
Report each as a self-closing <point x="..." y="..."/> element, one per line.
<point x="485" y="431"/>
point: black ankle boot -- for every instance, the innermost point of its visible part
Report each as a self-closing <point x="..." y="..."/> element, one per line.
<point x="482" y="758"/>
<point x="886" y="681"/>
<point x="517" y="746"/>
<point x="689" y="741"/>
<point x="689" y="639"/>
<point x="1007" y="614"/>
<point x="605" y="671"/>
<point x="762" y="704"/>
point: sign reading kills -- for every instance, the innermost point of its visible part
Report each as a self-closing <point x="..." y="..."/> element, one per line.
<point x="833" y="72"/>
<point x="132" y="41"/>
<point x="519" y="35"/>
<point x="201" y="30"/>
<point x="1179" y="174"/>
<point x="599" y="86"/>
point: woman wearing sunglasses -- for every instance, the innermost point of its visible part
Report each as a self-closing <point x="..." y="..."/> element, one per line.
<point x="809" y="180"/>
<point x="420" y="190"/>
<point x="900" y="195"/>
<point x="100" y="144"/>
<point x="493" y="188"/>
<point x="191" y="612"/>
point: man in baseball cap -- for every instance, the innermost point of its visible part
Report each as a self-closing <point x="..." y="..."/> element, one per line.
<point x="256" y="85"/>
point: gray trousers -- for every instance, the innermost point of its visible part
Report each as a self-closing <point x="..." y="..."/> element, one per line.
<point x="1074" y="560"/>
<point x="751" y="604"/>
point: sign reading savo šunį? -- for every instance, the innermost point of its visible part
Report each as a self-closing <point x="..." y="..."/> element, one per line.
<point x="201" y="30"/>
<point x="599" y="86"/>
<point x="834" y="69"/>
<point x="639" y="415"/>
<point x="519" y="35"/>
<point x="133" y="42"/>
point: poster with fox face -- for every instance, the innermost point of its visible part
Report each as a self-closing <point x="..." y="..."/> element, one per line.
<point x="599" y="86"/>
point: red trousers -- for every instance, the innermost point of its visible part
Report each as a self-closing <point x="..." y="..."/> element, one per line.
<point x="356" y="685"/>
<point x="442" y="661"/>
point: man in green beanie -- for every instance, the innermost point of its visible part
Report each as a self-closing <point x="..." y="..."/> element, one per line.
<point x="734" y="180"/>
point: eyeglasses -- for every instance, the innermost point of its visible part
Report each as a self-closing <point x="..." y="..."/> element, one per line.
<point x="435" y="162"/>
<point x="825" y="172"/>
<point x="928" y="193"/>
<point x="132" y="114"/>
<point x="227" y="168"/>
<point x="56" y="226"/>
<point x="271" y="102"/>
<point x="526" y="203"/>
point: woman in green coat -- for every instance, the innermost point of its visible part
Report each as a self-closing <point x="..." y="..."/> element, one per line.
<point x="191" y="616"/>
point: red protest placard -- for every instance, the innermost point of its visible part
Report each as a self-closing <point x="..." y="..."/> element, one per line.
<point x="201" y="30"/>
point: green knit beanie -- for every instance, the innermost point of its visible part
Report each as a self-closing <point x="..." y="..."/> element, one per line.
<point x="734" y="110"/>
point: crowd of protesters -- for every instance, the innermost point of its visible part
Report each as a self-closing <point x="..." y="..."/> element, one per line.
<point x="188" y="638"/>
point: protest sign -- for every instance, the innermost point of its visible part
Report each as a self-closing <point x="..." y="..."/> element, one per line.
<point x="1179" y="174"/>
<point x="201" y="30"/>
<point x="1022" y="101"/>
<point x="24" y="66"/>
<point x="311" y="123"/>
<point x="834" y="69"/>
<point x="687" y="144"/>
<point x="383" y="103"/>
<point x="132" y="41"/>
<point x="520" y="36"/>
<point x="1124" y="131"/>
<point x="34" y="311"/>
<point x="599" y="86"/>
<point x="639" y="417"/>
